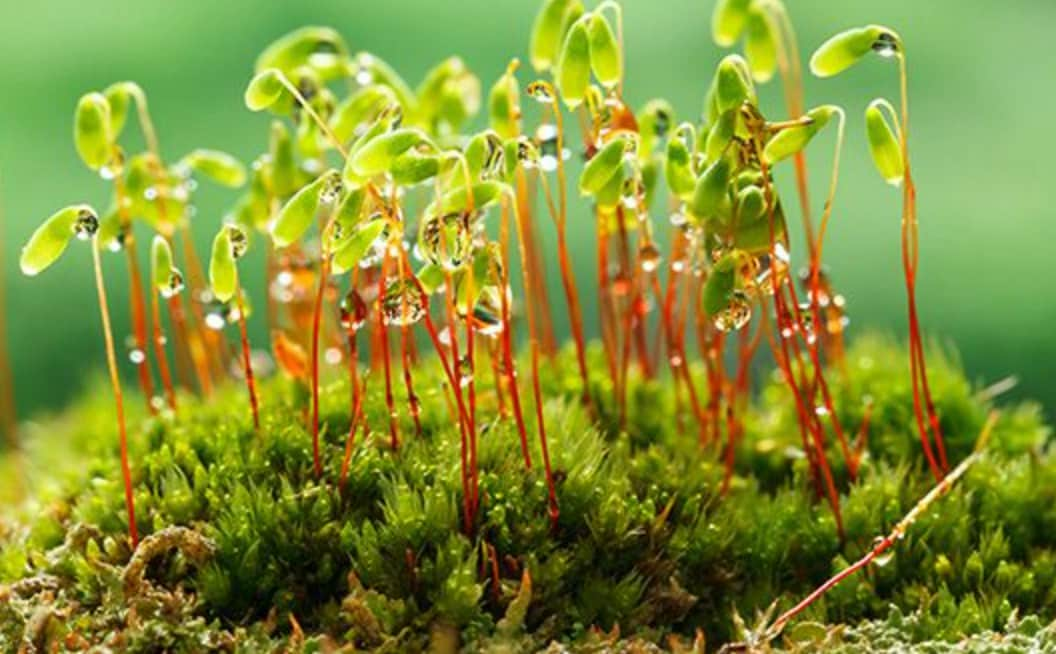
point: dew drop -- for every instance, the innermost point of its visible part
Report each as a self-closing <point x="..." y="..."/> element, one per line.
<point x="541" y="92"/>
<point x="736" y="314"/>
<point x="333" y="356"/>
<point x="87" y="225"/>
<point x="174" y="286"/>
<point x="649" y="257"/>
<point x="402" y="303"/>
<point x="885" y="45"/>
<point x="239" y="241"/>
<point x="353" y="311"/>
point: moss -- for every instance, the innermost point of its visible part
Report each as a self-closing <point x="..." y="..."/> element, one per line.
<point x="644" y="544"/>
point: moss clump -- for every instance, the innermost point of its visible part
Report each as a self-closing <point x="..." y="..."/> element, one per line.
<point x="250" y="552"/>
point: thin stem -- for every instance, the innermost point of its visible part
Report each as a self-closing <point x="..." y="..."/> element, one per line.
<point x="507" y="338"/>
<point x="135" y="291"/>
<point x="247" y="360"/>
<point x="896" y="534"/>
<point x="536" y="389"/>
<point x="159" y="350"/>
<point x="390" y="402"/>
<point x="568" y="279"/>
<point x="115" y="381"/>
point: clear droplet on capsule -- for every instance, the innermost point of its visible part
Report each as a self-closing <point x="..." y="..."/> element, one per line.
<point x="736" y="314"/>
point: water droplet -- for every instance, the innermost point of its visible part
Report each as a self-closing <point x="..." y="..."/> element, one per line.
<point x="736" y="314"/>
<point x="886" y="556"/>
<point x="87" y="225"/>
<point x="353" y="311"/>
<point x="333" y="356"/>
<point x="214" y="320"/>
<point x="541" y="92"/>
<point x="678" y="219"/>
<point x="331" y="190"/>
<point x="676" y="361"/>
<point x="821" y="411"/>
<point x="402" y="303"/>
<point x="157" y="402"/>
<point x="174" y="286"/>
<point x="486" y="322"/>
<point x="239" y="240"/>
<point x="447" y="240"/>
<point x="885" y="45"/>
<point x="465" y="371"/>
<point x="649" y="257"/>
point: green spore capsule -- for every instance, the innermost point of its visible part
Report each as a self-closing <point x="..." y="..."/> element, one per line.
<point x="849" y="47"/>
<point x="728" y="21"/>
<point x="573" y="66"/>
<point x="264" y="90"/>
<point x="885" y="141"/>
<point x="792" y="140"/>
<point x="49" y="241"/>
<point x="377" y="155"/>
<point x="549" y="30"/>
<point x="605" y="58"/>
<point x="760" y="46"/>
<point x="678" y="170"/>
<point x="297" y="214"/>
<point x="223" y="275"/>
<point x="354" y="248"/>
<point x="92" y="135"/>
<point x="321" y="48"/>
<point x="711" y="190"/>
<point x="218" y="166"/>
<point x="603" y="166"/>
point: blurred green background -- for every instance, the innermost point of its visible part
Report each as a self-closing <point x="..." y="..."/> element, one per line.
<point x="983" y="83"/>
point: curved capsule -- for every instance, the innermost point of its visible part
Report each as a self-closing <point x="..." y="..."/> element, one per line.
<point x="751" y="204"/>
<point x="91" y="130"/>
<point x="678" y="170"/>
<point x="414" y="167"/>
<point x="218" y="166"/>
<point x="710" y="192"/>
<point x="885" y="141"/>
<point x="654" y="122"/>
<point x="720" y="135"/>
<point x="549" y="30"/>
<point x="283" y="164"/>
<point x="119" y="96"/>
<point x="360" y="109"/>
<point x="605" y="58"/>
<point x="484" y="194"/>
<point x="264" y="90"/>
<point x="376" y="156"/>
<point x="572" y="75"/>
<point x="847" y="48"/>
<point x="504" y="106"/>
<point x="792" y="140"/>
<point x="161" y="262"/>
<point x="603" y="166"/>
<point x="721" y="283"/>
<point x="223" y="275"/>
<point x="321" y="48"/>
<point x="728" y="21"/>
<point x="49" y="240"/>
<point x="760" y="48"/>
<point x="297" y="214"/>
<point x="357" y="245"/>
<point x="733" y="84"/>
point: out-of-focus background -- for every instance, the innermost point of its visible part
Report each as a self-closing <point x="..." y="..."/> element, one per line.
<point x="983" y="83"/>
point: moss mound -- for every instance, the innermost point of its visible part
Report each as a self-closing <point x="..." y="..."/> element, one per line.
<point x="246" y="550"/>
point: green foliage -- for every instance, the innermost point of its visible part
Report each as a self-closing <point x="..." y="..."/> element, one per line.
<point x="644" y="541"/>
